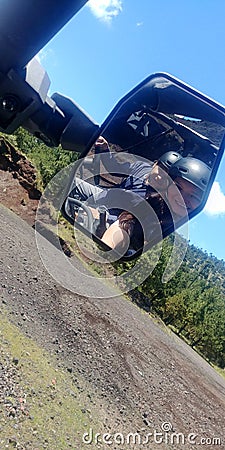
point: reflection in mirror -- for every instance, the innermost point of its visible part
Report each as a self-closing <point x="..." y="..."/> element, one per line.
<point x="152" y="167"/>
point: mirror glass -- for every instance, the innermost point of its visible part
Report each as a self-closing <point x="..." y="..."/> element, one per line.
<point x="151" y="167"/>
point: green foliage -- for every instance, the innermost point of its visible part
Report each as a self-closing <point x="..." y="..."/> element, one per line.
<point x="48" y="161"/>
<point x="193" y="301"/>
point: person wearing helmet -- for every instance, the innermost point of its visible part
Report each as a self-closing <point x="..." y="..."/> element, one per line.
<point x="187" y="180"/>
<point x="190" y="178"/>
<point x="141" y="178"/>
<point x="157" y="178"/>
<point x="142" y="174"/>
<point x="146" y="180"/>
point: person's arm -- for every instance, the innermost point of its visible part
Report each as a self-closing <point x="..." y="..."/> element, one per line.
<point x="109" y="159"/>
<point x="116" y="238"/>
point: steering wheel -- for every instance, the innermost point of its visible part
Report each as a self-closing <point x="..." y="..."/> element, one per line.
<point x="89" y="216"/>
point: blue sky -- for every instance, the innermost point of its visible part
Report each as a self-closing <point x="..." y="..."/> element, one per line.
<point x="112" y="45"/>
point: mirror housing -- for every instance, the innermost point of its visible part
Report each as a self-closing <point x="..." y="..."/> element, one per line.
<point x="24" y="101"/>
<point x="80" y="129"/>
<point x="162" y="114"/>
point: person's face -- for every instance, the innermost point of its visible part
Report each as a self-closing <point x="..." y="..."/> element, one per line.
<point x="191" y="194"/>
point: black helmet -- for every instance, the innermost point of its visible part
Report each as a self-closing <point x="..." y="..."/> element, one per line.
<point x="169" y="158"/>
<point x="193" y="170"/>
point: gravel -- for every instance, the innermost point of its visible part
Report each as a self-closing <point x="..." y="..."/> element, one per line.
<point x="141" y="374"/>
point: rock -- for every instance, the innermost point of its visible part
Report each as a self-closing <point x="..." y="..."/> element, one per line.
<point x="15" y="361"/>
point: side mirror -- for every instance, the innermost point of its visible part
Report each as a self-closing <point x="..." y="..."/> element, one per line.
<point x="149" y="168"/>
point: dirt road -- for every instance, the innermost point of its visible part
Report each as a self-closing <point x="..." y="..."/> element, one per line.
<point x="144" y="377"/>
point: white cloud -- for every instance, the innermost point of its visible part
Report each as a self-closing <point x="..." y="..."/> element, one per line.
<point x="105" y="10"/>
<point x="215" y="205"/>
<point x="139" y="24"/>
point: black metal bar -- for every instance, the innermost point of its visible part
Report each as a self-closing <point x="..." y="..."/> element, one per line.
<point x="27" y="25"/>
